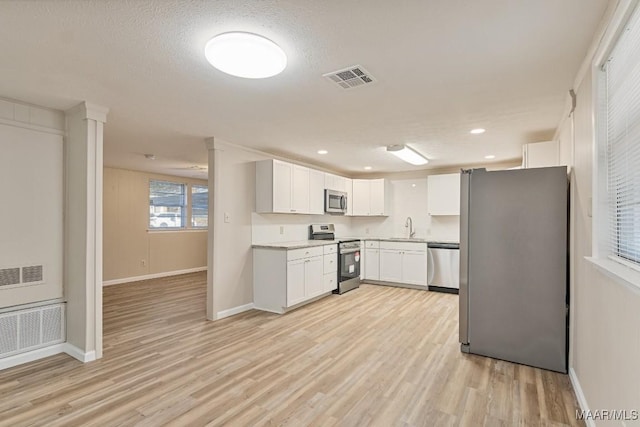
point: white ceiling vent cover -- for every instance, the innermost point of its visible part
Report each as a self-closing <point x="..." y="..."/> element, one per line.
<point x="350" y="77"/>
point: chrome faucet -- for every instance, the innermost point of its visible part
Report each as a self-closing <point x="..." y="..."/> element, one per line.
<point x="409" y="224"/>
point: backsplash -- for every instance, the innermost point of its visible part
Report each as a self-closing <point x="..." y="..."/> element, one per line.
<point x="269" y="228"/>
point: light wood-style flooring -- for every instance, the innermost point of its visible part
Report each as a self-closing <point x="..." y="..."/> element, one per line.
<point x="376" y="356"/>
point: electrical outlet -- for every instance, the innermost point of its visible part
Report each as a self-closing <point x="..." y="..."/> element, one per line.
<point x="227" y="217"/>
<point x="282" y="229"/>
<point x="428" y="232"/>
<point x="144" y="262"/>
<point x="366" y="231"/>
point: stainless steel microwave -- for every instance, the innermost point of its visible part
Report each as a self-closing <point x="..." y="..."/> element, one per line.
<point x="335" y="202"/>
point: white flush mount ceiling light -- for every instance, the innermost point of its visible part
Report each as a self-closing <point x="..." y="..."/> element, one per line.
<point x="407" y="154"/>
<point x="477" y="131"/>
<point x="489" y="156"/>
<point x="322" y="151"/>
<point x="367" y="168"/>
<point x="245" y="55"/>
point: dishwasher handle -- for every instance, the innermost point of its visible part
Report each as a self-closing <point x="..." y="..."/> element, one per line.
<point x="430" y="267"/>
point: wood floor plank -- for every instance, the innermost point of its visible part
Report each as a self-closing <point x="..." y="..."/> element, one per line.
<point x="377" y="356"/>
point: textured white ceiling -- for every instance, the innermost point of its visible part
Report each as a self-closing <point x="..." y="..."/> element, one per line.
<point x="443" y="68"/>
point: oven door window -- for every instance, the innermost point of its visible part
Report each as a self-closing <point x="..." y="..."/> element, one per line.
<point x="349" y="265"/>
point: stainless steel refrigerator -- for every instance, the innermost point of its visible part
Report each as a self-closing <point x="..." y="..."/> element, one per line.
<point x="514" y="294"/>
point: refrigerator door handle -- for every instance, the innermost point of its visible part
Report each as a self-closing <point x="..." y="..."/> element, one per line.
<point x="465" y="178"/>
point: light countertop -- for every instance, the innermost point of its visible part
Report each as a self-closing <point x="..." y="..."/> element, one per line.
<point x="299" y="244"/>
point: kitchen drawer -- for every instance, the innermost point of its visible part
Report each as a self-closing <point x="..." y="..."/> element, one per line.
<point x="372" y="244"/>
<point x="330" y="282"/>
<point x="404" y="246"/>
<point x="304" y="253"/>
<point x="330" y="263"/>
<point x="330" y="249"/>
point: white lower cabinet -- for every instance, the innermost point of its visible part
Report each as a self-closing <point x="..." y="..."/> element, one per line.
<point x="403" y="262"/>
<point x="285" y="278"/>
<point x="390" y="265"/>
<point x="313" y="277"/>
<point x="372" y="264"/>
<point x="414" y="268"/>
<point x="330" y="269"/>
<point x="330" y="282"/>
<point x="295" y="281"/>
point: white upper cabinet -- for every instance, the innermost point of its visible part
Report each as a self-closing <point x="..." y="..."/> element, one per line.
<point x="377" y="196"/>
<point x="349" y="191"/>
<point x="370" y="197"/>
<point x="335" y="182"/>
<point x="316" y="192"/>
<point x="282" y="187"/>
<point x="443" y="194"/>
<point x="300" y="190"/>
<point x="540" y="154"/>
<point x="361" y="197"/>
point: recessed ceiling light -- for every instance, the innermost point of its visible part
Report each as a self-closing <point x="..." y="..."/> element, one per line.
<point x="490" y="156"/>
<point x="477" y="131"/>
<point x="367" y="168"/>
<point x="245" y="55"/>
<point x="407" y="154"/>
<point x="322" y="151"/>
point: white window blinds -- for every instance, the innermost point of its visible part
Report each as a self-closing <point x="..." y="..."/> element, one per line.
<point x="622" y="96"/>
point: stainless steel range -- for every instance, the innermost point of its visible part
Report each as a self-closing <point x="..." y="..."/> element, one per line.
<point x="348" y="256"/>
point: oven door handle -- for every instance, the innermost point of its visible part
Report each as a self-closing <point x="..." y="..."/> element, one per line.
<point x="349" y="251"/>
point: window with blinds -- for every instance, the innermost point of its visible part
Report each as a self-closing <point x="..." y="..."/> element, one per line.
<point x="622" y="98"/>
<point x="199" y="206"/>
<point x="167" y="203"/>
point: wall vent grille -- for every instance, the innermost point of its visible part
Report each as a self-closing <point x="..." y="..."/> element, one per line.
<point x="8" y="334"/>
<point x="350" y="77"/>
<point x="9" y="276"/>
<point x="32" y="274"/>
<point x="26" y="330"/>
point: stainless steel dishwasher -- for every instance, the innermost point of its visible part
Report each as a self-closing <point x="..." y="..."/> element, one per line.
<point x="443" y="266"/>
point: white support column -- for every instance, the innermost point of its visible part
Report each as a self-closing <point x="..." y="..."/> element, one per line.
<point x="83" y="230"/>
<point x="209" y="142"/>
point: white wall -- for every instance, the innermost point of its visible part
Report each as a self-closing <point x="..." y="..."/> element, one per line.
<point x="31" y="185"/>
<point x="605" y="313"/>
<point x="234" y="192"/>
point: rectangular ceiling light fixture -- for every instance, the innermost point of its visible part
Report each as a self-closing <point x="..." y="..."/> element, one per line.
<point x="408" y="154"/>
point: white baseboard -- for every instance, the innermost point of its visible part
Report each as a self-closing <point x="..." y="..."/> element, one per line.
<point x="152" y="276"/>
<point x="30" y="356"/>
<point x="76" y="353"/>
<point x="235" y="310"/>
<point x="582" y="400"/>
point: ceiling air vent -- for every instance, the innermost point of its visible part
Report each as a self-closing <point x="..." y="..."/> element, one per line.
<point x="350" y="77"/>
